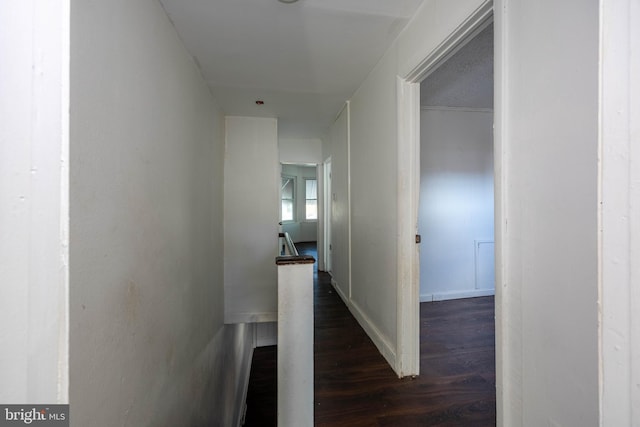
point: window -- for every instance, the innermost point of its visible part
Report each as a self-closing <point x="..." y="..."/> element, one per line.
<point x="288" y="198"/>
<point x="311" y="199"/>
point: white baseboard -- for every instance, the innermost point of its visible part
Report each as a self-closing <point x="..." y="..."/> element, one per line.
<point x="339" y="291"/>
<point x="444" y="296"/>
<point x="379" y="340"/>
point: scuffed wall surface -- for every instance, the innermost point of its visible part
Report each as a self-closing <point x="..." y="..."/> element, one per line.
<point x="146" y="277"/>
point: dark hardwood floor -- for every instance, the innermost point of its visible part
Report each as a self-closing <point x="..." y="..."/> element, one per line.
<point x="354" y="386"/>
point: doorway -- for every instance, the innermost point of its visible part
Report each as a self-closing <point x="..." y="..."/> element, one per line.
<point x="456" y="217"/>
<point x="299" y="202"/>
<point x="408" y="252"/>
<point x="456" y="208"/>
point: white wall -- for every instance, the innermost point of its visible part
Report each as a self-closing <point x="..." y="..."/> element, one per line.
<point x="456" y="204"/>
<point x="619" y="215"/>
<point x="336" y="146"/>
<point x="547" y="128"/>
<point x="148" y="345"/>
<point x="300" y="151"/>
<point x="373" y="204"/>
<point x="374" y="170"/>
<point x="34" y="104"/>
<point x="547" y="303"/>
<point x="251" y="219"/>
<point x="301" y="230"/>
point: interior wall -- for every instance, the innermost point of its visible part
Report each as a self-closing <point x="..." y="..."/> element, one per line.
<point x="251" y="207"/>
<point x="146" y="241"/>
<point x="300" y="151"/>
<point x="547" y="316"/>
<point x="34" y="217"/>
<point x="374" y="170"/>
<point x="547" y="120"/>
<point x="374" y="203"/>
<point x="336" y="146"/>
<point x="456" y="204"/>
<point x="301" y="230"/>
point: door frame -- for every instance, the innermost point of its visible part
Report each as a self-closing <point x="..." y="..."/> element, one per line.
<point x="327" y="206"/>
<point x="408" y="114"/>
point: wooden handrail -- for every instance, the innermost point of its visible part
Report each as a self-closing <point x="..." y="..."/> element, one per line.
<point x="290" y="245"/>
<point x="294" y="257"/>
<point x="300" y="259"/>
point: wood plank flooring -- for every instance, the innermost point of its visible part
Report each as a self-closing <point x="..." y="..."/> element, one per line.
<point x="354" y="386"/>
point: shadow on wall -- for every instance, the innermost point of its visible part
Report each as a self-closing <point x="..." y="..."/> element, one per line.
<point x="212" y="390"/>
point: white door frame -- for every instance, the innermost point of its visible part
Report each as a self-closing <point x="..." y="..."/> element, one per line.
<point x="320" y="224"/>
<point x="327" y="215"/>
<point x="408" y="90"/>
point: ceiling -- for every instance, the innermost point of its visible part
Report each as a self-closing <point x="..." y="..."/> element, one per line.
<point x="304" y="60"/>
<point x="466" y="79"/>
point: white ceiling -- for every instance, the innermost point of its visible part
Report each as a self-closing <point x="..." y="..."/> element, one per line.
<point x="304" y="60"/>
<point x="464" y="80"/>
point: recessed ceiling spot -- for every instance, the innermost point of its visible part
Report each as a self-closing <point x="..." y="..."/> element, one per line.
<point x="287" y="1"/>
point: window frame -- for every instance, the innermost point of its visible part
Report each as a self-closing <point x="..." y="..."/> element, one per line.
<point x="293" y="198"/>
<point x="306" y="218"/>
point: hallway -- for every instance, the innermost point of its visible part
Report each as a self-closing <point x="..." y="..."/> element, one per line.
<point x="141" y="147"/>
<point x="354" y="386"/>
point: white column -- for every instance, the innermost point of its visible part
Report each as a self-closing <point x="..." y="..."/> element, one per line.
<point x="295" y="344"/>
<point x="34" y="195"/>
<point x="619" y="240"/>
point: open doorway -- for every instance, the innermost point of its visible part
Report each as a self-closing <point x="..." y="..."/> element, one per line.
<point x="456" y="218"/>
<point x="299" y="202"/>
<point x="456" y="210"/>
<point x="408" y="252"/>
